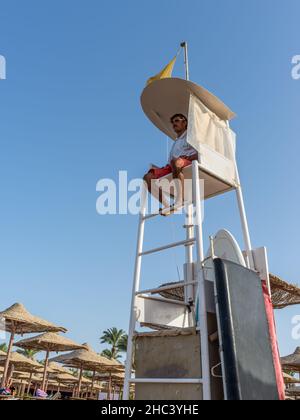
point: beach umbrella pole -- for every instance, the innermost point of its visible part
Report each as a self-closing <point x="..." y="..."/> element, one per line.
<point x="11" y="341"/>
<point x="29" y="383"/>
<point x="80" y="381"/>
<point x="45" y="370"/>
<point x="74" y="388"/>
<point x="93" y="383"/>
<point x="109" y="387"/>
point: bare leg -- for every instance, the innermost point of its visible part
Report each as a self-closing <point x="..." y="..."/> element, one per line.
<point x="177" y="167"/>
<point x="154" y="189"/>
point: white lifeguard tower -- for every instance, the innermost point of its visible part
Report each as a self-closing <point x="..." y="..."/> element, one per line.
<point x="210" y="134"/>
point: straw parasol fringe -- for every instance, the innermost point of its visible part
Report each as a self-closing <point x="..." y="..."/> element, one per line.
<point x="288" y="379"/>
<point x="21" y="362"/>
<point x="20" y="321"/>
<point x="89" y="359"/>
<point x="292" y="362"/>
<point x="283" y="293"/>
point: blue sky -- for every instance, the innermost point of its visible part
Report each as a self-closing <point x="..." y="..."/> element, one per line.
<point x="70" y="115"/>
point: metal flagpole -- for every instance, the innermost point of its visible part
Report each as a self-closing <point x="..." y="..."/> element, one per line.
<point x="184" y="45"/>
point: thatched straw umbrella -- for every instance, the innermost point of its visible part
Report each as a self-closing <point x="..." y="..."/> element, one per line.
<point x="293" y="392"/>
<point x="49" y="342"/>
<point x="114" y="380"/>
<point x="55" y="369"/>
<point x="288" y="379"/>
<point x="17" y="320"/>
<point x="69" y="379"/>
<point x="29" y="378"/>
<point x="20" y="363"/>
<point x="39" y="372"/>
<point x="283" y="293"/>
<point x="63" y="378"/>
<point x="88" y="360"/>
<point x="292" y="362"/>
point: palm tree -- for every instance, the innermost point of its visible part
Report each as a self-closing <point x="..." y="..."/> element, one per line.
<point x="109" y="355"/>
<point x="123" y="343"/>
<point x="88" y="375"/>
<point x="3" y="347"/>
<point x="117" y="339"/>
<point x="74" y="372"/>
<point x="29" y="353"/>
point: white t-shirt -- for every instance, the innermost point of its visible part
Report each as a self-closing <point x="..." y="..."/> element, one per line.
<point x="181" y="148"/>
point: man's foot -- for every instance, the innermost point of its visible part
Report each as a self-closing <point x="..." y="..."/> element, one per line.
<point x="167" y="211"/>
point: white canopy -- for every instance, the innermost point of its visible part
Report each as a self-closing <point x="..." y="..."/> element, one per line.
<point x="164" y="98"/>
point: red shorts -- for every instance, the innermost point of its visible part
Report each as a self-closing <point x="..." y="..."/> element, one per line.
<point x="166" y="170"/>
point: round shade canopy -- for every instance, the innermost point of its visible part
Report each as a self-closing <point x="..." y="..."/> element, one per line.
<point x="166" y="97"/>
<point x="292" y="362"/>
<point x="49" y="342"/>
<point x="87" y="359"/>
<point x="21" y="362"/>
<point x="288" y="379"/>
<point x="19" y="321"/>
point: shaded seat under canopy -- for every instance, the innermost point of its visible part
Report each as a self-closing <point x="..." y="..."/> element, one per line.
<point x="208" y="130"/>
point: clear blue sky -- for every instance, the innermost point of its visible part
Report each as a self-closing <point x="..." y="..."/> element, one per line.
<point x="70" y="115"/>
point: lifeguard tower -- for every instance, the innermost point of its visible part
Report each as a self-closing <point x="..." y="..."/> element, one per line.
<point x="183" y="357"/>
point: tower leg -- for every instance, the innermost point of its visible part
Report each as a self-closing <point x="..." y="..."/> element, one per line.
<point x="201" y="305"/>
<point x="136" y="286"/>
<point x="245" y="227"/>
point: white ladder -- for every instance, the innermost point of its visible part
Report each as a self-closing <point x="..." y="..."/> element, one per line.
<point x="201" y="309"/>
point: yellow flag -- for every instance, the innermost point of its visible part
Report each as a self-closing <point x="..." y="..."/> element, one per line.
<point x="165" y="73"/>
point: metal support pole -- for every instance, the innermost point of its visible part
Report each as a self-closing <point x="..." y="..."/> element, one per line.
<point x="202" y="312"/>
<point x="184" y="45"/>
<point x="243" y="216"/>
<point x="189" y="210"/>
<point x="135" y="289"/>
<point x="245" y="226"/>
<point x="189" y="234"/>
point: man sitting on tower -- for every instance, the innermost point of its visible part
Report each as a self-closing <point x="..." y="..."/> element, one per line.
<point x="181" y="155"/>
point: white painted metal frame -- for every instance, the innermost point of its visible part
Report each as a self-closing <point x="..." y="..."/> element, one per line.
<point x="135" y="289"/>
<point x="192" y="225"/>
<point x="243" y="217"/>
<point x="202" y="307"/>
<point x="194" y="236"/>
<point x="166" y="381"/>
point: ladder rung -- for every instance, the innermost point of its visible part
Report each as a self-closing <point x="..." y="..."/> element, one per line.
<point x="159" y="299"/>
<point x="165" y="381"/>
<point x="173" y="245"/>
<point x="166" y="288"/>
